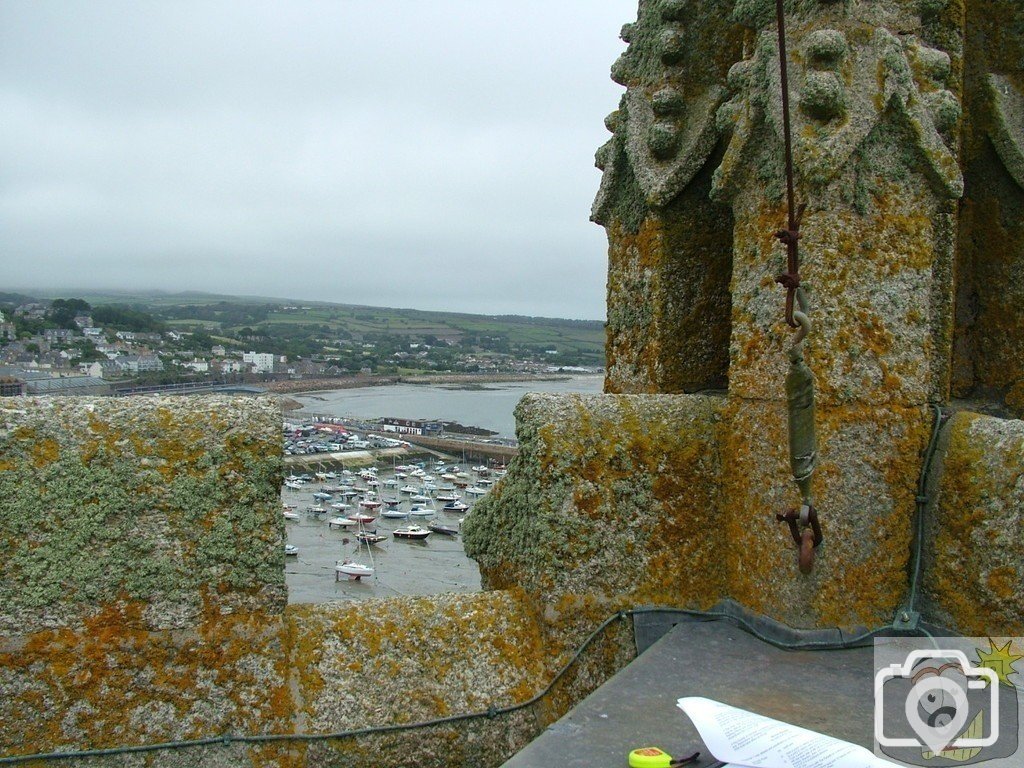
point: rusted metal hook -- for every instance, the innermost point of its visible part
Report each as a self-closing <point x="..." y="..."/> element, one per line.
<point x="805" y="529"/>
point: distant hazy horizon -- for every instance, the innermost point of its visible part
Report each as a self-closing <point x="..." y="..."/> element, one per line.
<point x="380" y="152"/>
<point x="90" y="294"/>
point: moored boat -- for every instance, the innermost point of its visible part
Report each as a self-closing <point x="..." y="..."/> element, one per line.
<point x="353" y="570"/>
<point x="411" y="532"/>
<point x="444" y="530"/>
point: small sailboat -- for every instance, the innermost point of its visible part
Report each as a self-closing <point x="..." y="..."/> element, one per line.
<point x="353" y="570"/>
<point x="290" y="514"/>
<point x="420" y="511"/>
<point x="341" y="522"/>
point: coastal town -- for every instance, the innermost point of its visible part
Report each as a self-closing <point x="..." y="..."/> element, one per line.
<point x="69" y="346"/>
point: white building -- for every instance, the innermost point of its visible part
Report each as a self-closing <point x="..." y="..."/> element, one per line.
<point x="230" y="366"/>
<point x="197" y="365"/>
<point x="261" y="362"/>
<point x="142" y="363"/>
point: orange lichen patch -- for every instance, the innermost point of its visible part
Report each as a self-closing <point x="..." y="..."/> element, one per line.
<point x="1004" y="582"/>
<point x="863" y="490"/>
<point x="403" y="651"/>
<point x="973" y="579"/>
<point x="45" y="452"/>
<point x="110" y="674"/>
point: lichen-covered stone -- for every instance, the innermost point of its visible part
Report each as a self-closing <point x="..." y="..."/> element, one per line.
<point x="610" y="496"/>
<point x="406" y="660"/>
<point x="863" y="489"/>
<point x="143" y="583"/>
<point x="169" y="503"/>
<point x="669" y="245"/>
<point x="974" y="565"/>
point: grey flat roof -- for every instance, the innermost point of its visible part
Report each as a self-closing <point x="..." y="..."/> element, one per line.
<point x="826" y="691"/>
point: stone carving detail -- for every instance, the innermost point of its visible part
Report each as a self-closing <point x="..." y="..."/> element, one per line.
<point x="842" y="91"/>
<point x="1007" y="127"/>
<point x="665" y="126"/>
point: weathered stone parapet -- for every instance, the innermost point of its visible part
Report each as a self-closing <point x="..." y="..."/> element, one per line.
<point x="974" y="558"/>
<point x="626" y="500"/>
<point x="864" y="489"/>
<point x="406" y="660"/>
<point x="170" y="505"/>
<point x="108" y="683"/>
<point x="613" y="497"/>
<point x="143" y="582"/>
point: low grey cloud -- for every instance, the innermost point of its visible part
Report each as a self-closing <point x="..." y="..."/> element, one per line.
<point x="433" y="155"/>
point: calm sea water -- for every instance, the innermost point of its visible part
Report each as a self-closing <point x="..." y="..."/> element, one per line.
<point x="489" y="408"/>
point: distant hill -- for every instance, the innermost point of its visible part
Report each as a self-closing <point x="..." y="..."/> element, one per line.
<point x="301" y="322"/>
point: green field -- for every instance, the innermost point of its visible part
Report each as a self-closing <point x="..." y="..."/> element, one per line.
<point x="218" y="314"/>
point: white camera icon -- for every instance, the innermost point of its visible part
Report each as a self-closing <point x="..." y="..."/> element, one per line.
<point x="937" y="707"/>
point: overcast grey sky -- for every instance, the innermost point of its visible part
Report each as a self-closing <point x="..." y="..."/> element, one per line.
<point x="435" y="154"/>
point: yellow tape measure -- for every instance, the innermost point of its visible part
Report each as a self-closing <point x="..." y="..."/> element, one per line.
<point x="649" y="757"/>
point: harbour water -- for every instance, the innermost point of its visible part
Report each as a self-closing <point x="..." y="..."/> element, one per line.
<point x="402" y="567"/>
<point x="488" y="406"/>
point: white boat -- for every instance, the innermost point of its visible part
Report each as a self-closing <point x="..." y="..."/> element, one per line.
<point x="341" y="522"/>
<point x="391" y="483"/>
<point x="321" y="496"/>
<point x="429" y="487"/>
<point x="449" y="477"/>
<point x="418" y="511"/>
<point x="341" y="506"/>
<point x="456" y="506"/>
<point x="290" y="550"/>
<point x="419" y="498"/>
<point x="315" y="509"/>
<point x="483" y="482"/>
<point x="411" y="532"/>
<point x="290" y="514"/>
<point x="474" y="490"/>
<point x="481" y="468"/>
<point x="408" y="489"/>
<point x="293" y="485"/>
<point x="395" y="514"/>
<point x="370" y="504"/>
<point x="401" y="475"/>
<point x="448" y="496"/>
<point x="462" y="474"/>
<point x="353" y="570"/>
